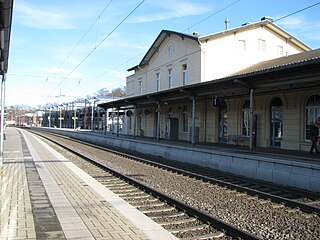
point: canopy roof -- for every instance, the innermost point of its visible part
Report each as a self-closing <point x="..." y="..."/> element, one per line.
<point x="6" y="8"/>
<point x="292" y="73"/>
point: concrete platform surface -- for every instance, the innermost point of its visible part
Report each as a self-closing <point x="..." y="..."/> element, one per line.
<point x="45" y="196"/>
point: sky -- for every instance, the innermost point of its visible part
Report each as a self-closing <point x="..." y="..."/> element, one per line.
<point x="62" y="50"/>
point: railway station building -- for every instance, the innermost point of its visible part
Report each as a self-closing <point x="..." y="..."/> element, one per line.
<point x="253" y="85"/>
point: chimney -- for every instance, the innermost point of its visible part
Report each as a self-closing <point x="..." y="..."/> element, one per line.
<point x="227" y="23"/>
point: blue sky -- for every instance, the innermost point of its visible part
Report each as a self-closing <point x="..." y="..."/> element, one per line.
<point x="45" y="64"/>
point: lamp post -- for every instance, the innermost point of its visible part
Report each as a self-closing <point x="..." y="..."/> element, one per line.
<point x="60" y="117"/>
<point x="49" y="117"/>
<point x="74" y="115"/>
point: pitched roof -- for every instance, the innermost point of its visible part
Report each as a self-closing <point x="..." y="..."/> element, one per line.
<point x="264" y="23"/>
<point x="155" y="45"/>
<point x="283" y="62"/>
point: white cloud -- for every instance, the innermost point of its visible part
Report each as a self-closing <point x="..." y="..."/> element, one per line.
<point x="42" y="18"/>
<point x="171" y="9"/>
<point x="301" y="28"/>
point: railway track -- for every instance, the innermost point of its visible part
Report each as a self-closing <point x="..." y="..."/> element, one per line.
<point x="284" y="217"/>
<point x="308" y="202"/>
<point x="183" y="221"/>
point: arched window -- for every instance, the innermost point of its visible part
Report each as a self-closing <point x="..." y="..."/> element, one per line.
<point x="246" y="118"/>
<point x="312" y="113"/>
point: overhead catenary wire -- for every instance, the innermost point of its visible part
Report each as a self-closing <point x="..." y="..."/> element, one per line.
<point x="206" y="18"/>
<point x="78" y="43"/>
<point x="107" y="36"/>
<point x="298" y="11"/>
<point x="211" y="15"/>
<point x="85" y="34"/>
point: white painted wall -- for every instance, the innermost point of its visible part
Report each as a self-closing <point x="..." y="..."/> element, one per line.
<point x="223" y="55"/>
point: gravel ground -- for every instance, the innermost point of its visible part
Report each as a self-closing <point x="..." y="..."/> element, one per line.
<point x="257" y="216"/>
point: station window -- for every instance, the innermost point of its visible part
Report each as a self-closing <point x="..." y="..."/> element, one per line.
<point x="158" y="81"/>
<point x="261" y="45"/>
<point x="312" y="113"/>
<point x="280" y="50"/>
<point x="242" y="45"/>
<point x="184" y="74"/>
<point x="140" y="87"/>
<point x="170" y="77"/>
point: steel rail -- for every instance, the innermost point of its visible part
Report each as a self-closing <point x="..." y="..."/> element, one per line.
<point x="215" y="222"/>
<point x="277" y="199"/>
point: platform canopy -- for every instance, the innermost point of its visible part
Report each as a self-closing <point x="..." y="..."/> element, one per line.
<point x="290" y="73"/>
<point x="6" y="9"/>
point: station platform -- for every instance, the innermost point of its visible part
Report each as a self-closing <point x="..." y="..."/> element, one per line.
<point x="45" y="196"/>
<point x="291" y="168"/>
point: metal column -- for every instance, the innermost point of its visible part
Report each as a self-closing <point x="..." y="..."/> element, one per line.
<point x="105" y="121"/>
<point x="118" y="118"/>
<point x="135" y="121"/>
<point x="92" y="106"/>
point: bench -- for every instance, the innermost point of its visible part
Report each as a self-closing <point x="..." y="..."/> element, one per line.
<point x="238" y="139"/>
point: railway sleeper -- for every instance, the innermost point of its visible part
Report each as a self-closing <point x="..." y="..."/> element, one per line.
<point x="194" y="229"/>
<point x="147" y="207"/>
<point x="214" y="235"/>
<point x="115" y="184"/>
<point x="137" y="198"/>
<point x="165" y="219"/>
<point x="162" y="212"/>
<point x="179" y="222"/>
<point x="126" y="188"/>
<point x="131" y="194"/>
<point x="150" y="204"/>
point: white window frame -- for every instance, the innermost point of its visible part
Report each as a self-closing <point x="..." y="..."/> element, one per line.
<point x="158" y="81"/>
<point x="185" y="74"/>
<point x="262" y="45"/>
<point x="170" y="78"/>
<point x="280" y="50"/>
<point x="140" y="87"/>
<point x="170" y="50"/>
<point x="242" y="45"/>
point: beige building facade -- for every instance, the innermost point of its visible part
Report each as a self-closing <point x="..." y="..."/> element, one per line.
<point x="255" y="85"/>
